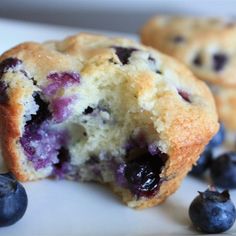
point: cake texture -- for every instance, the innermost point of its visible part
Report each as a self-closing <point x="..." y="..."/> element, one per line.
<point x="207" y="47"/>
<point x="93" y="108"/>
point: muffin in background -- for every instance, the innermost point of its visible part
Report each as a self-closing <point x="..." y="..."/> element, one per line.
<point x="208" y="47"/>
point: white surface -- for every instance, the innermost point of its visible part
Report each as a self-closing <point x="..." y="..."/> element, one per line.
<point x="64" y="208"/>
<point x="14" y="32"/>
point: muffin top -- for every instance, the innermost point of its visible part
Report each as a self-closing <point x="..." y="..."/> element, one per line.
<point x="206" y="45"/>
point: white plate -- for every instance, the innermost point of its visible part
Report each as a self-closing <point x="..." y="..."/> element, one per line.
<point x="64" y="208"/>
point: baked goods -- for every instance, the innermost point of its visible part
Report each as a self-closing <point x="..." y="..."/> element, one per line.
<point x="93" y="108"/>
<point x="225" y="98"/>
<point x="207" y="46"/>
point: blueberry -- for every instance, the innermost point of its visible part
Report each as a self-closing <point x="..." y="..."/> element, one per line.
<point x="3" y="92"/>
<point x="60" y="80"/>
<point x="151" y="59"/>
<point x="223" y="170"/>
<point x="212" y="212"/>
<point x="219" y="61"/>
<point x="124" y="53"/>
<point x="178" y="39"/>
<point x="13" y="200"/>
<point x="61" y="168"/>
<point x="9" y="63"/>
<point x="43" y="112"/>
<point x="88" y="110"/>
<point x="184" y="95"/>
<point x="202" y="164"/>
<point x="197" y="61"/>
<point x="142" y="174"/>
<point x="5" y="65"/>
<point x="218" y="139"/>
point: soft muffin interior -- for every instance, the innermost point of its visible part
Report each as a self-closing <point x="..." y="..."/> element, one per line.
<point x="96" y="130"/>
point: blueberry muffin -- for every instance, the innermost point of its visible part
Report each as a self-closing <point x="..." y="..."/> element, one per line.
<point x="93" y="108"/>
<point x="225" y="98"/>
<point x="207" y="46"/>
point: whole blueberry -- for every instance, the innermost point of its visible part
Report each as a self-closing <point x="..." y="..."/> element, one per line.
<point x="13" y="200"/>
<point x="202" y="164"/>
<point x="219" y="61"/>
<point x="212" y="211"/>
<point x="218" y="139"/>
<point x="223" y="170"/>
<point x="124" y="53"/>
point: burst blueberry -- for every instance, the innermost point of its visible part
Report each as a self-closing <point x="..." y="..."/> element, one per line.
<point x="13" y="200"/>
<point x="212" y="211"/>
<point x="41" y="144"/>
<point x="142" y="174"/>
<point x="60" y="80"/>
<point x="223" y="170"/>
<point x="124" y="53"/>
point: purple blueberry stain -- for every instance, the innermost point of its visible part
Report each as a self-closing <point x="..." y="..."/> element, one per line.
<point x="153" y="149"/>
<point x="120" y="177"/>
<point x="40" y="142"/>
<point x="124" y="53"/>
<point x="219" y="61"/>
<point x="61" y="108"/>
<point x="60" y="80"/>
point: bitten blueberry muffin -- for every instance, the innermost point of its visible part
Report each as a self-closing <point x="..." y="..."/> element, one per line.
<point x="93" y="108"/>
<point x="207" y="46"/>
